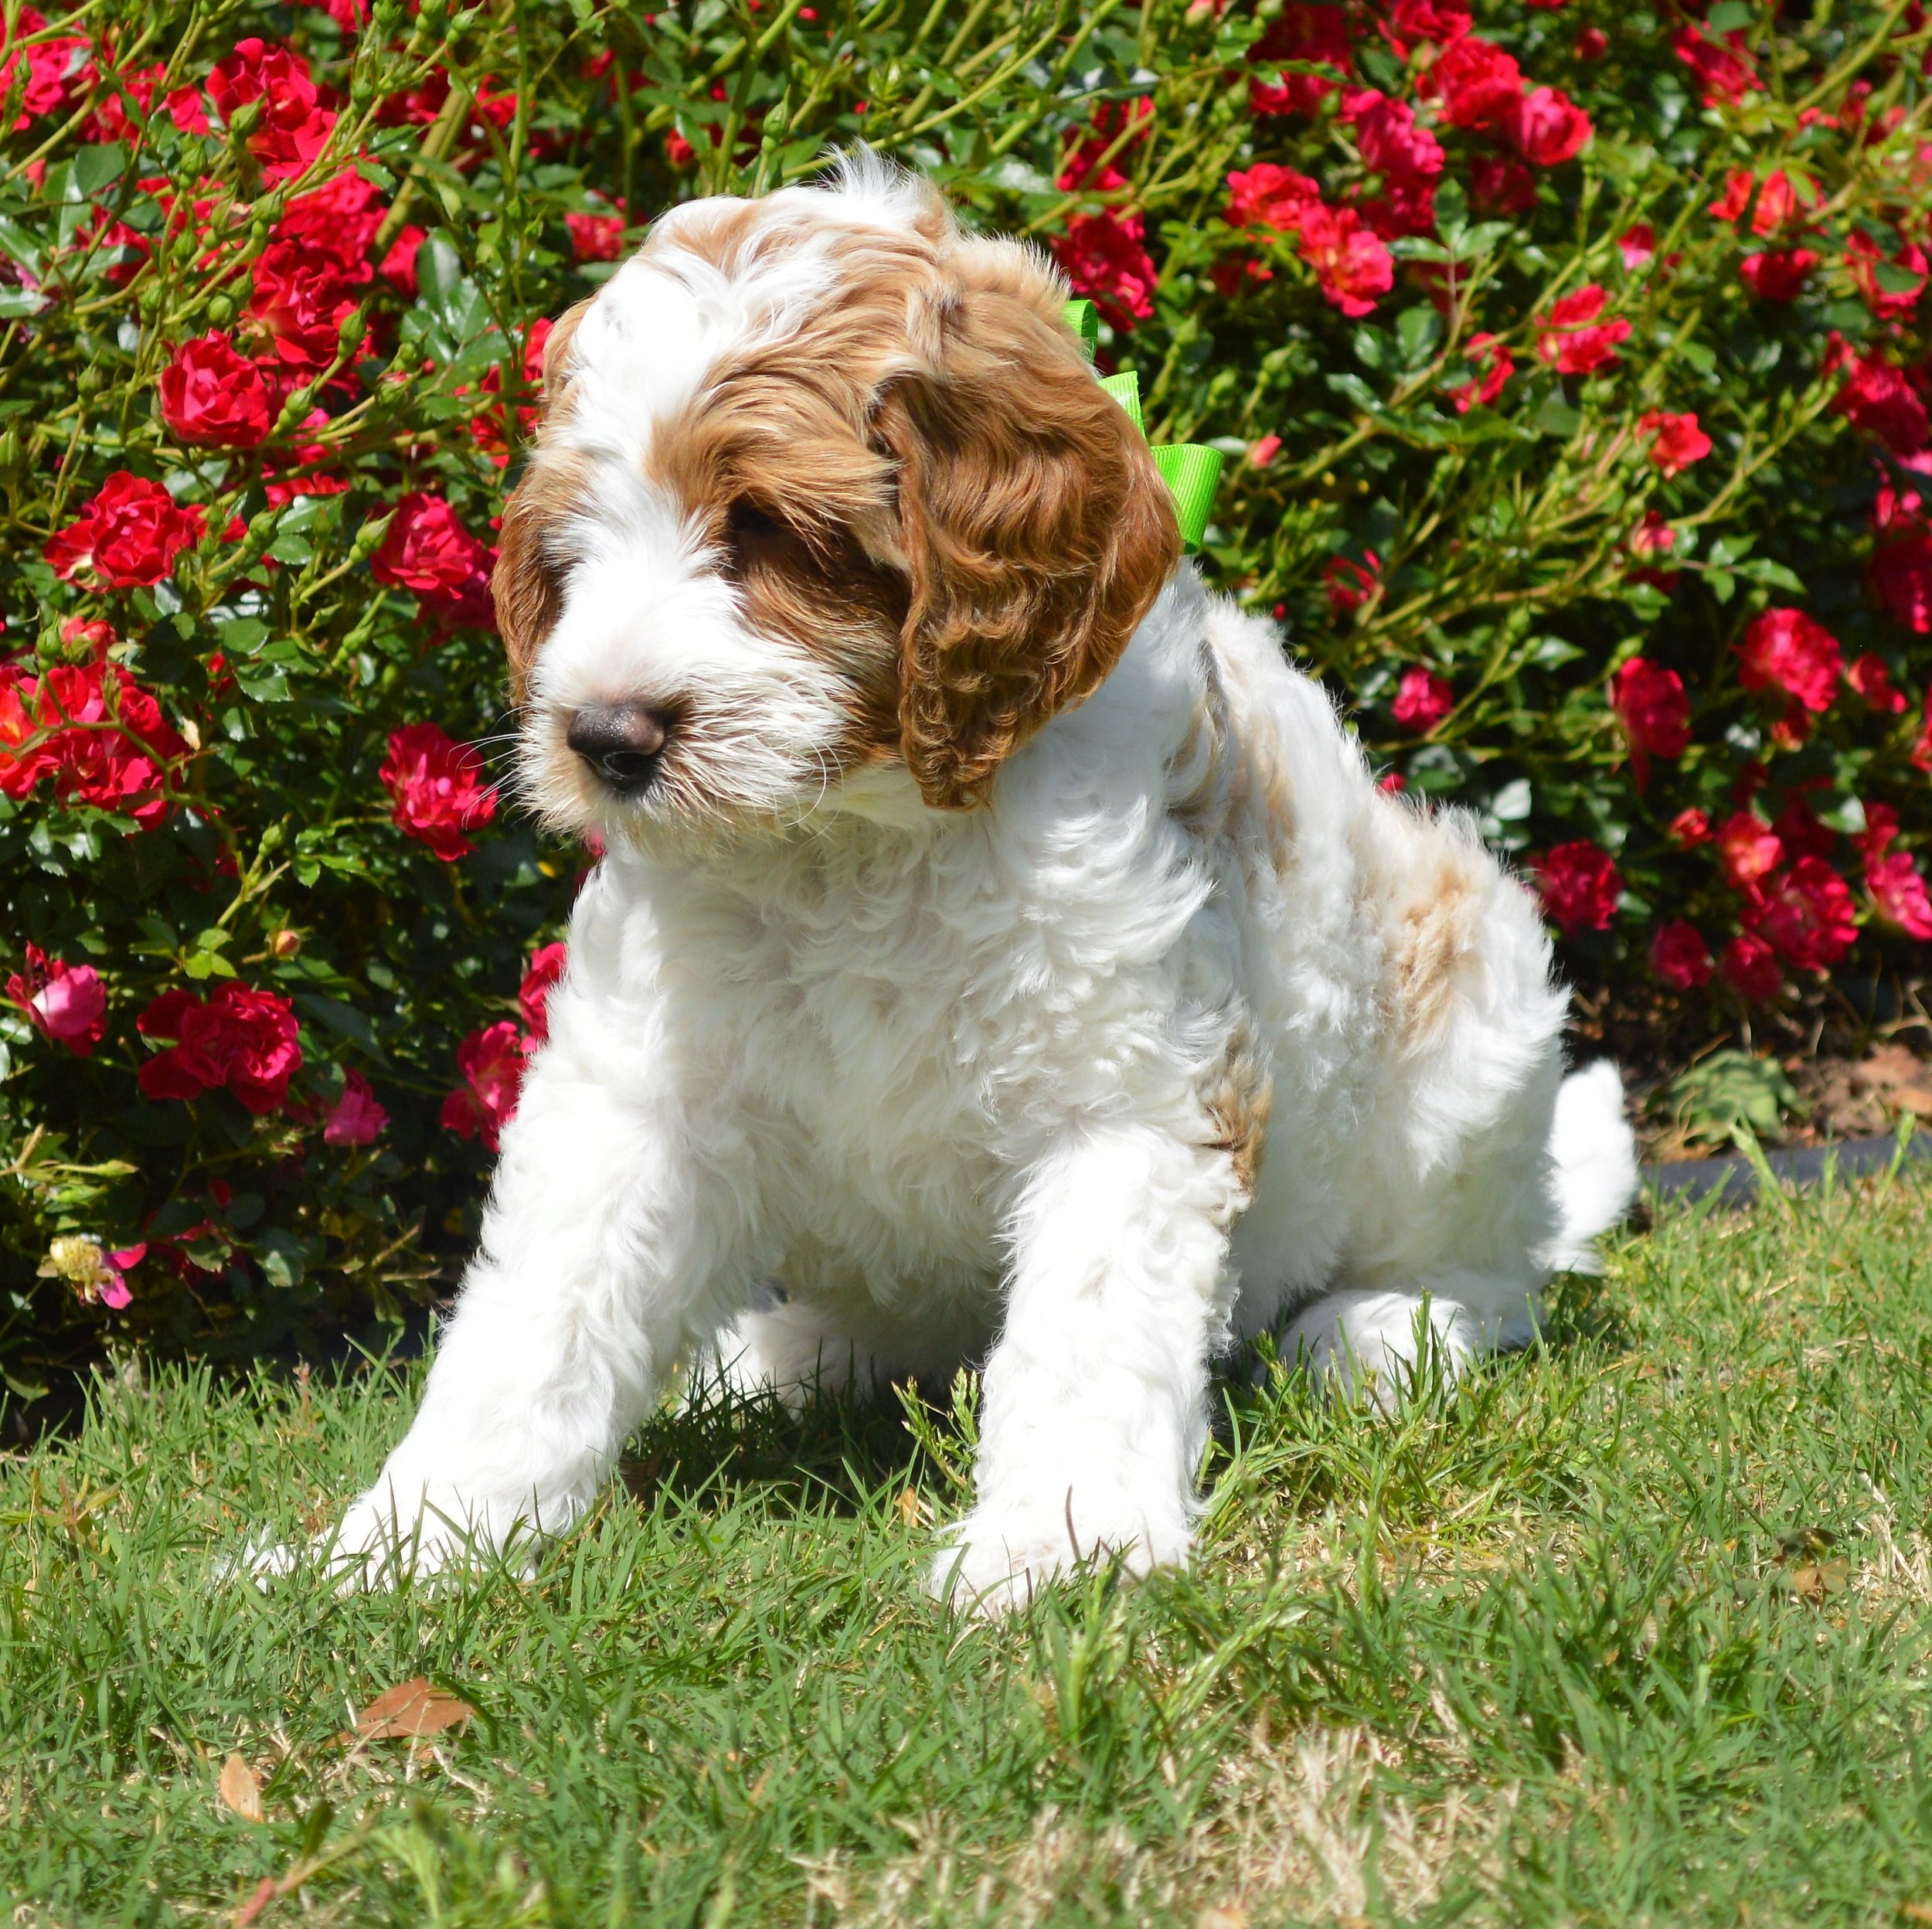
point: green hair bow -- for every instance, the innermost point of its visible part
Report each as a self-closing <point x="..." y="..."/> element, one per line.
<point x="1190" y="469"/>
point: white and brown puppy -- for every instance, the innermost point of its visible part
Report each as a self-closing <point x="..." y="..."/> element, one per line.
<point x="1000" y="954"/>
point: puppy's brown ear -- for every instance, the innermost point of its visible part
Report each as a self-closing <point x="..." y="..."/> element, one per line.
<point x="1035" y="527"/>
<point x="526" y="585"/>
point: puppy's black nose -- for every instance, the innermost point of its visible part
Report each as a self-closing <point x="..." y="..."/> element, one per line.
<point x="621" y="741"/>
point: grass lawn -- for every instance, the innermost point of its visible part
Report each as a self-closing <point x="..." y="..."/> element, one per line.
<point x="1629" y="1630"/>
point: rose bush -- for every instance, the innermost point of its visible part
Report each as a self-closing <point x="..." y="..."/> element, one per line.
<point x="1572" y="363"/>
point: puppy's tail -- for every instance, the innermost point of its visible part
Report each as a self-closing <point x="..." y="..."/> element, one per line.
<point x="1593" y="1156"/>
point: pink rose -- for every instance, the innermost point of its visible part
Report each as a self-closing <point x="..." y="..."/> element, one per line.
<point x="356" y="1118"/>
<point x="66" y="1002"/>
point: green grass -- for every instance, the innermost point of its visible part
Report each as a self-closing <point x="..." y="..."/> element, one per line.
<point x="1571" y="1645"/>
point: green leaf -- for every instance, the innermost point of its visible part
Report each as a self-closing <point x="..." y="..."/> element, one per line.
<point x="283" y="1258"/>
<point x="94" y="168"/>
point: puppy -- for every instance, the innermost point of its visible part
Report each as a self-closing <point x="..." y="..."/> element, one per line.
<point x="1000" y="954"/>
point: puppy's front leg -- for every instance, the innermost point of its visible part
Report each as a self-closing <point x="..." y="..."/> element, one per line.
<point x="606" y="1252"/>
<point x="1094" y="1407"/>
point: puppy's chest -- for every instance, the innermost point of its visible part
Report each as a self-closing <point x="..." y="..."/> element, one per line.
<point x="849" y="1012"/>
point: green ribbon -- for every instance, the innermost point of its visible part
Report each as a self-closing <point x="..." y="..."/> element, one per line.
<point x="1191" y="470"/>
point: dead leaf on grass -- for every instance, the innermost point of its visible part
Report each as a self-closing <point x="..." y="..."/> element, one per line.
<point x="413" y="1709"/>
<point x="240" y="1790"/>
<point x="1227" y="1915"/>
<point x="1916" y="1911"/>
<point x="1809" y="1569"/>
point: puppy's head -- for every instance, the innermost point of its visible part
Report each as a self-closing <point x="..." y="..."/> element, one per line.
<point x="820" y="483"/>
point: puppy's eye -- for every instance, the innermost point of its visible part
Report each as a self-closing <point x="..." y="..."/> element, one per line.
<point x="748" y="523"/>
<point x="753" y="535"/>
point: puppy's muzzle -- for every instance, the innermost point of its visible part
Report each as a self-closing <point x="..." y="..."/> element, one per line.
<point x="621" y="741"/>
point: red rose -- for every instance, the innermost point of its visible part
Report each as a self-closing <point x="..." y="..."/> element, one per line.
<point x="1779" y="276"/>
<point x="242" y="1038"/>
<point x="212" y="398"/>
<point x="1574" y="340"/>
<point x="596" y="237"/>
<point x="1881" y="826"/>
<point x="1749" y="848"/>
<point x="52" y="725"/>
<point x="1423" y="699"/>
<point x="1749" y="968"/>
<point x="427" y="549"/>
<point x="1780" y="204"/>
<point x="1085" y="164"/>
<point x="1888" y="303"/>
<point x="1723" y="71"/>
<point x="1678" y="441"/>
<point x="492" y="1063"/>
<point x="1547" y="128"/>
<point x="1267" y="196"/>
<point x="1352" y="266"/>
<point x="1691" y="828"/>
<point x="436" y="789"/>
<point x="1500" y="184"/>
<point x="356" y="1118"/>
<point x="302" y="299"/>
<point x="1679" y="956"/>
<point x="1921" y="752"/>
<point x="1801" y="832"/>
<point x="336" y="222"/>
<point x="1102" y="256"/>
<point x="1348" y="584"/>
<point x="66" y="1002"/>
<point x="1870" y="677"/>
<point x="1878" y="401"/>
<point x="399" y="265"/>
<point x="1307" y="35"/>
<point x="1478" y="85"/>
<point x="1498" y="364"/>
<point x="1391" y="141"/>
<point x="1899" y="575"/>
<point x="1899" y="894"/>
<point x="1592" y="43"/>
<point x="1436" y="21"/>
<point x="1580" y="885"/>
<point x="533" y="995"/>
<point x="128" y="535"/>
<point x="1637" y="246"/>
<point x="294" y="124"/>
<point x="1786" y="649"/>
<point x="1804" y="914"/>
<point x="51" y="66"/>
<point x="1651" y="704"/>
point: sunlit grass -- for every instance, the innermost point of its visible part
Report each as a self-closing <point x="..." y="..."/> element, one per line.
<point x="1627" y="1629"/>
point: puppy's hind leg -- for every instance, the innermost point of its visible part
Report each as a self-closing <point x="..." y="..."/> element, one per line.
<point x="790" y="1349"/>
<point x="1373" y="1338"/>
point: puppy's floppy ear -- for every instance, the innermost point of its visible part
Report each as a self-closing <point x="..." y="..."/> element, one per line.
<point x="1035" y="528"/>
<point x="526" y="585"/>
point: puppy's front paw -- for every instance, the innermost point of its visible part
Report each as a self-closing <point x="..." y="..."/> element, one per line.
<point x="998" y="1558"/>
<point x="385" y="1539"/>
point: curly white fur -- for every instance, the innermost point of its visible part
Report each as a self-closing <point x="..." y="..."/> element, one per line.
<point x="1189" y="1034"/>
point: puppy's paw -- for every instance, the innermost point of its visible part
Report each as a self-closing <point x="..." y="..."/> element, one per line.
<point x="263" y="1560"/>
<point x="1367" y="1344"/>
<point x="383" y="1540"/>
<point x="998" y="1558"/>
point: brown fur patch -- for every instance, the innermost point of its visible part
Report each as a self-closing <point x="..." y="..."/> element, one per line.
<point x="1037" y="529"/>
<point x="527" y="583"/>
<point x="1238" y="1107"/>
<point x="1434" y="943"/>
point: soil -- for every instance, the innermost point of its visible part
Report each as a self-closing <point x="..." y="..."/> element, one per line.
<point x="1859" y="1051"/>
